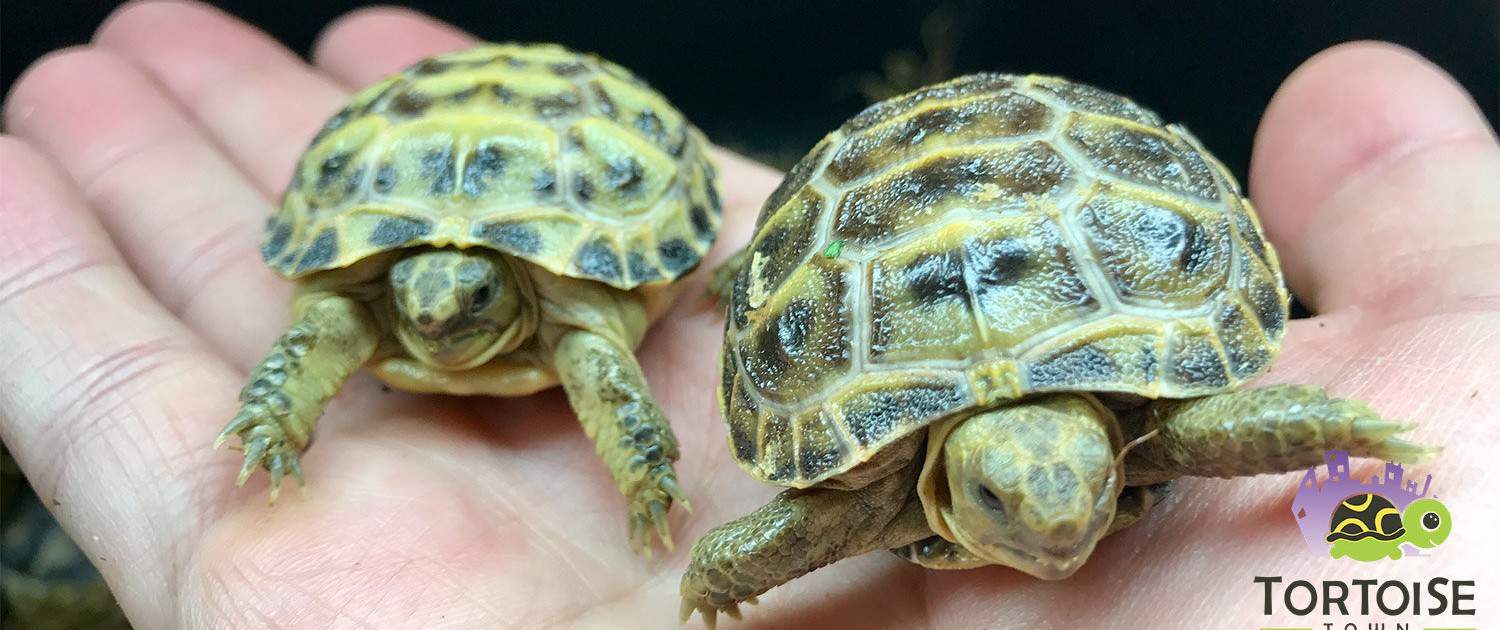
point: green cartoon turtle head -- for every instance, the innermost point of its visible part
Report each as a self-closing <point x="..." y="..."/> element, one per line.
<point x="1427" y="523"/>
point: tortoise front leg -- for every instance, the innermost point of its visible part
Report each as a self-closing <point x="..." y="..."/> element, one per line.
<point x="330" y="338"/>
<point x="1273" y="429"/>
<point x="797" y="532"/>
<point x="721" y="283"/>
<point x="607" y="390"/>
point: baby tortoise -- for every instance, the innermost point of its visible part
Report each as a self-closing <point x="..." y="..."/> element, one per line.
<point x="987" y="322"/>
<point x="492" y="221"/>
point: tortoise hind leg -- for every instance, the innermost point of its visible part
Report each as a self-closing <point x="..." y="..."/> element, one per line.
<point x="609" y="394"/>
<point x="1272" y="429"/>
<point x="330" y="338"/>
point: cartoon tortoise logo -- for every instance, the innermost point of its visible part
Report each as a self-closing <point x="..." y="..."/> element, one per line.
<point x="1368" y="527"/>
<point x="1368" y="519"/>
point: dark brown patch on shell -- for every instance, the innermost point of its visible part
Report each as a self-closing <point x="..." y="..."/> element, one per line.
<point x="482" y="167"/>
<point x="606" y="103"/>
<point x="641" y="270"/>
<point x="963" y="86"/>
<point x="885" y="206"/>
<point x="624" y="174"/>
<point x="503" y="94"/>
<point x="331" y="169"/>
<point x="430" y="66"/>
<point x="873" y="416"/>
<point x="385" y="178"/>
<point x="278" y="233"/>
<point x="1084" y="365"/>
<point x="555" y="105"/>
<point x="568" y="68"/>
<point x="702" y="227"/>
<point x="510" y="237"/>
<point x="437" y="169"/>
<point x="598" y="259"/>
<point x="395" y="231"/>
<point x="322" y="251"/>
<point x="936" y="276"/>
<point x="998" y="262"/>
<point x="677" y="256"/>
<point x="410" y="102"/>
<point x="545" y="182"/>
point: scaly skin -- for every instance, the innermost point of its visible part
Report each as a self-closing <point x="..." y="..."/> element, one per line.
<point x="331" y="337"/>
<point x="797" y="532"/>
<point x="1268" y="430"/>
<point x="607" y="390"/>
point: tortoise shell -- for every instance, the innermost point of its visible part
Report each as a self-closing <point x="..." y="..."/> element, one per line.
<point x="562" y="159"/>
<point x="976" y="241"/>
<point x="1365" y="516"/>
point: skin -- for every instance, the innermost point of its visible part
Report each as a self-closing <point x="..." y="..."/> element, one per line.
<point x="124" y="357"/>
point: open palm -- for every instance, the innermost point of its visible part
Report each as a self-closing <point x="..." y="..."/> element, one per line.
<point x="133" y="302"/>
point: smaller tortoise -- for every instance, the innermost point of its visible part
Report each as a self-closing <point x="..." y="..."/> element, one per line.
<point x="1368" y="527"/>
<point x="492" y="221"/>
<point x="988" y="322"/>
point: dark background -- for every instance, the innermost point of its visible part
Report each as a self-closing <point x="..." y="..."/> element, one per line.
<point x="769" y="78"/>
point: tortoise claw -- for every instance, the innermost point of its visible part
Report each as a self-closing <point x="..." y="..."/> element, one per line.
<point x="648" y="511"/>
<point x="710" y="614"/>
<point x="265" y="446"/>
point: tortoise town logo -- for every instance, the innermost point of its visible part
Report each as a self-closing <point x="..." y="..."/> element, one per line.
<point x="1368" y="520"/>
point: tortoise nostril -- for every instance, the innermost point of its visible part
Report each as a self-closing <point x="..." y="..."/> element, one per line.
<point x="424" y="319"/>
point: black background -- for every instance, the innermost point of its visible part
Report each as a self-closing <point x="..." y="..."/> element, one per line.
<point x="769" y="78"/>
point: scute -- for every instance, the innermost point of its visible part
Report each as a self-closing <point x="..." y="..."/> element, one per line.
<point x="560" y="158"/>
<point x="996" y="236"/>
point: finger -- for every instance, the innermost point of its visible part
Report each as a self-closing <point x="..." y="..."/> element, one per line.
<point x="1376" y="176"/>
<point x="184" y="217"/>
<point x="257" y="99"/>
<point x="366" y="45"/>
<point x="103" y="396"/>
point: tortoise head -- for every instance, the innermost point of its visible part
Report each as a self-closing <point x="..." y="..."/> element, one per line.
<point x="1034" y="485"/>
<point x="458" y="309"/>
<point x="1427" y="523"/>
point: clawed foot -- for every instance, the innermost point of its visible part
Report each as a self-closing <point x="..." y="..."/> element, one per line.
<point x="709" y="611"/>
<point x="265" y="446"/>
<point x="649" y="506"/>
<point x="266" y="414"/>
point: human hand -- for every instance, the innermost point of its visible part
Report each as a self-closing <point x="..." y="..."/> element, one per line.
<point x="132" y="196"/>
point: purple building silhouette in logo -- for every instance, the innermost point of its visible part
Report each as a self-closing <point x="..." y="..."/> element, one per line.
<point x="1315" y="501"/>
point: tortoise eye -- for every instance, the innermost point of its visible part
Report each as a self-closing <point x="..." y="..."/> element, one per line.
<point x="989" y="499"/>
<point x="1431" y="521"/>
<point x="482" y="298"/>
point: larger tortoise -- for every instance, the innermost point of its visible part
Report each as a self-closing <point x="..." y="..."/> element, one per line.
<point x="491" y="221"/>
<point x="986" y="322"/>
